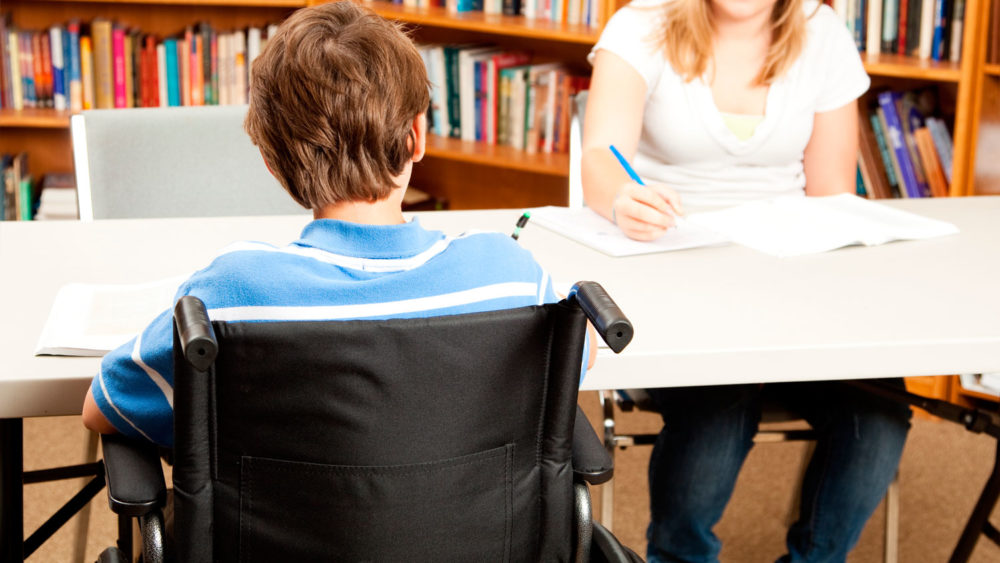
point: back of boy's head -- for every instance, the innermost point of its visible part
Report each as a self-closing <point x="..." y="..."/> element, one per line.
<point x="333" y="96"/>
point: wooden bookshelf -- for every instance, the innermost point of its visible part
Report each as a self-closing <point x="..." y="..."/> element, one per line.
<point x="474" y="174"/>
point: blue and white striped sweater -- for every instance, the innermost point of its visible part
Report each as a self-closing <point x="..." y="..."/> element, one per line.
<point x="335" y="271"/>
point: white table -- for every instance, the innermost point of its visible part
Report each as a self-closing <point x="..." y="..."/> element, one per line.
<point x="715" y="315"/>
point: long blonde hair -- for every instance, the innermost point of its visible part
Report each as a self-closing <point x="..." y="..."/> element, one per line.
<point x="687" y="38"/>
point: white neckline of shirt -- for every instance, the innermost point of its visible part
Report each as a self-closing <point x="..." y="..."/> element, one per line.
<point x="350" y="262"/>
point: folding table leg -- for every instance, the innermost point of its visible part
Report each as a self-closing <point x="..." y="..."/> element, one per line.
<point x="11" y="489"/>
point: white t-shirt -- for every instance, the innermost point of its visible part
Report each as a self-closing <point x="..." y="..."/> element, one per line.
<point x="685" y="142"/>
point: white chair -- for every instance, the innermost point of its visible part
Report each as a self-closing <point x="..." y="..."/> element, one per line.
<point x="172" y="162"/>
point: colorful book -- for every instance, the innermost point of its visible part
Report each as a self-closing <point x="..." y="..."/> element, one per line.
<point x="932" y="166"/>
<point x="957" y="28"/>
<point x="75" y="73"/>
<point x="241" y="67"/>
<point x="890" y="25"/>
<point x="59" y="98"/>
<point x="883" y="152"/>
<point x="16" y="83"/>
<point x="89" y="93"/>
<point x="161" y="75"/>
<point x="103" y="52"/>
<point x="942" y="144"/>
<point x="120" y="69"/>
<point x="870" y="161"/>
<point x="894" y="134"/>
<point x="6" y="100"/>
<point x="938" y="43"/>
<point x="172" y="72"/>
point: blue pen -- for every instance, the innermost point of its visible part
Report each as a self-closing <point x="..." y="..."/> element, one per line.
<point x="635" y="177"/>
<point x="626" y="166"/>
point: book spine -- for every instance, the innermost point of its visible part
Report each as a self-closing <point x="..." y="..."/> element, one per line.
<point x="940" y="24"/>
<point x="163" y="99"/>
<point x="942" y="144"/>
<point x="171" y="72"/>
<point x="58" y="66"/>
<point x="28" y="70"/>
<point x="512" y="7"/>
<point x="87" y="79"/>
<point x="5" y="93"/>
<point x="883" y="150"/>
<point x="214" y="60"/>
<point x="184" y="67"/>
<point x="16" y="83"/>
<point x="903" y="15"/>
<point x="454" y="106"/>
<point x="241" y="66"/>
<point x="957" y="28"/>
<point x="103" y="64"/>
<point x="44" y="66"/>
<point x="890" y="25"/>
<point x="75" y="75"/>
<point x="120" y="72"/>
<point x="894" y="133"/>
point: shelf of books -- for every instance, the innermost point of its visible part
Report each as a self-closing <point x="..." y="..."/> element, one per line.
<point x="502" y="73"/>
<point x="905" y="66"/>
<point x="490" y="23"/>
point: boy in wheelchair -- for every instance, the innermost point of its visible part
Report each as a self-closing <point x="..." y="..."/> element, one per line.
<point x="337" y="107"/>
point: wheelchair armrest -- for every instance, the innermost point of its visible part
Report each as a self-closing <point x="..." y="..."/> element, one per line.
<point x="591" y="461"/>
<point x="134" y="475"/>
<point x="604" y="314"/>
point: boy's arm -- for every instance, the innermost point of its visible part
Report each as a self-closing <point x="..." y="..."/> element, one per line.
<point x="93" y="418"/>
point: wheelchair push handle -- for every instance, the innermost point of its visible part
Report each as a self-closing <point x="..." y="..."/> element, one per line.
<point x="604" y="314"/>
<point x="195" y="332"/>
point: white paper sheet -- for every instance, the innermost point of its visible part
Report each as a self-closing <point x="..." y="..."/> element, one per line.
<point x="588" y="228"/>
<point x="93" y="319"/>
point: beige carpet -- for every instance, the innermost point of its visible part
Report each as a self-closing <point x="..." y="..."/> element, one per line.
<point x="942" y="473"/>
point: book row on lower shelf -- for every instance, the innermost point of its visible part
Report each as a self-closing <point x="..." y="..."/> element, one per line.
<point x="905" y="149"/>
<point x="496" y="96"/>
<point x="25" y="199"/>
<point x="104" y="64"/>
<point x="925" y="29"/>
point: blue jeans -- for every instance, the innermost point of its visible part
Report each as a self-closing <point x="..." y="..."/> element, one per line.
<point x="707" y="434"/>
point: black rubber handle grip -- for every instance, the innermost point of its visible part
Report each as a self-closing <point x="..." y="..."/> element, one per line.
<point x="604" y="314"/>
<point x="195" y="332"/>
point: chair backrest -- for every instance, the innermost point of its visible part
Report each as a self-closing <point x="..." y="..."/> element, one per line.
<point x="171" y="162"/>
<point x="579" y="107"/>
<point x="440" y="439"/>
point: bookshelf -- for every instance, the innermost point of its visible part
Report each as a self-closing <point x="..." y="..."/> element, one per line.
<point x="475" y="175"/>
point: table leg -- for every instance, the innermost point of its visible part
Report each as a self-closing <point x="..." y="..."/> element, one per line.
<point x="979" y="520"/>
<point x="11" y="489"/>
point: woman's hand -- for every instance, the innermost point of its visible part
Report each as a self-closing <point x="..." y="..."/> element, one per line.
<point x="645" y="212"/>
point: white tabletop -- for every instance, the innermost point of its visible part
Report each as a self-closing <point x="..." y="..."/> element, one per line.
<point x="704" y="316"/>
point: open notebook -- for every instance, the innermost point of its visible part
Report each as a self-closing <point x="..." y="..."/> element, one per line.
<point x="783" y="226"/>
<point x="93" y="319"/>
<point x="795" y="225"/>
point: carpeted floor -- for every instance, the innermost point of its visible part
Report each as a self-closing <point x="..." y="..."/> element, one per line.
<point x="942" y="473"/>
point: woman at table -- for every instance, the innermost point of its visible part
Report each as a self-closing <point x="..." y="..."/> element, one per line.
<point x="720" y="102"/>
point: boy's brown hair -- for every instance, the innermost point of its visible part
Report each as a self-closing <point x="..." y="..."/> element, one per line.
<point x="333" y="96"/>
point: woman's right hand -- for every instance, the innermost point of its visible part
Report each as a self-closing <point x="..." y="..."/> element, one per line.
<point x="645" y="212"/>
